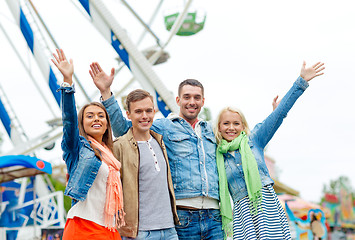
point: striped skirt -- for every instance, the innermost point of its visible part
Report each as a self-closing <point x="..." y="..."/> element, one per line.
<point x="269" y="223"/>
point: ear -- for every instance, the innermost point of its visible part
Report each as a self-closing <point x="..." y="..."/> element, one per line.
<point x="178" y="100"/>
<point x="128" y="114"/>
<point x="203" y="102"/>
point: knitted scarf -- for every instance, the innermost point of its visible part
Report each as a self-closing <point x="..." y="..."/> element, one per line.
<point x="250" y="170"/>
<point x="114" y="195"/>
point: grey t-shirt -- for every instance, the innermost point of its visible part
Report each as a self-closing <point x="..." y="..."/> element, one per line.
<point x="154" y="198"/>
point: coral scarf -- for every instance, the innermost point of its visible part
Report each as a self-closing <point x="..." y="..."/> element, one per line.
<point x="114" y="195"/>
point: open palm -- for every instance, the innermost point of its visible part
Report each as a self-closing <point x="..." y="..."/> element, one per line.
<point x="65" y="67"/>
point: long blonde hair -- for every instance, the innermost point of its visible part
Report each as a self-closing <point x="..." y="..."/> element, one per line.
<point x="234" y="110"/>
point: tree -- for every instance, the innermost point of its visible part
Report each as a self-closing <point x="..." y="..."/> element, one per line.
<point x="336" y="185"/>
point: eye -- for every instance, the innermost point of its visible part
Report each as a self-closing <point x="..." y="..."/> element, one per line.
<point x="89" y="116"/>
<point x="138" y="111"/>
<point x="149" y="110"/>
<point x="101" y="116"/>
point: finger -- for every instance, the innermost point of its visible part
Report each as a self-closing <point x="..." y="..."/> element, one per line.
<point x="319" y="74"/>
<point x="304" y="64"/>
<point x="54" y="63"/>
<point x="315" y="65"/>
<point x="92" y="75"/>
<point x="56" y="58"/>
<point x="99" y="67"/>
<point x="318" y="70"/>
<point x="93" y="69"/>
<point x="112" y="71"/>
<point x="59" y="55"/>
<point x="319" y="65"/>
<point x="63" y="55"/>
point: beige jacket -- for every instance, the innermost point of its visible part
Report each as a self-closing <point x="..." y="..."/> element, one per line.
<point x="125" y="149"/>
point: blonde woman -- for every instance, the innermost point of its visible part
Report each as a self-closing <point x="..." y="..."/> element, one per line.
<point x="243" y="174"/>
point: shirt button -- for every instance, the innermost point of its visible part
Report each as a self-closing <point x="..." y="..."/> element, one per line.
<point x="203" y="193"/>
<point x="200" y="162"/>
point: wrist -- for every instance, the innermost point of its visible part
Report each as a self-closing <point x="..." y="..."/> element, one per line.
<point x="68" y="80"/>
<point x="106" y="94"/>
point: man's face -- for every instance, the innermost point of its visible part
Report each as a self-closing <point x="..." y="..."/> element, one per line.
<point x="141" y="114"/>
<point x="190" y="102"/>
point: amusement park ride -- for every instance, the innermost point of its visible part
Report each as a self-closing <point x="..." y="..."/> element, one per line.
<point x="29" y="203"/>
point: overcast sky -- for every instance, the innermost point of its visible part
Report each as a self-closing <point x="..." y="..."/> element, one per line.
<point x="248" y="52"/>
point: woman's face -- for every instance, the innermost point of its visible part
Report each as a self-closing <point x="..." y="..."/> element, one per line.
<point x="95" y="122"/>
<point x="230" y="125"/>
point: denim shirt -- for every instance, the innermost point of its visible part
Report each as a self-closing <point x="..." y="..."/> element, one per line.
<point x="82" y="164"/>
<point x="258" y="139"/>
<point x="192" y="159"/>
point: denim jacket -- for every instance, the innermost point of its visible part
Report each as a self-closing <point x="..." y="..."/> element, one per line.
<point x="258" y="139"/>
<point x="192" y="159"/>
<point x="82" y="164"/>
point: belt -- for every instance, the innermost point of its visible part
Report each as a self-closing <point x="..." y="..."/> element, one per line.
<point x="187" y="208"/>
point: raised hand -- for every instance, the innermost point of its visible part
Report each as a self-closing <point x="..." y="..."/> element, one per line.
<point x="309" y="73"/>
<point x="275" y="103"/>
<point x="101" y="80"/>
<point x="65" y="67"/>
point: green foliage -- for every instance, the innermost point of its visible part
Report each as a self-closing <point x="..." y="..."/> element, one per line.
<point x="58" y="186"/>
<point x="335" y="185"/>
<point x="205" y="114"/>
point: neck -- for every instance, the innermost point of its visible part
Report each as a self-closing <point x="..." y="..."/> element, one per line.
<point x="98" y="139"/>
<point x="191" y="121"/>
<point x="141" y="136"/>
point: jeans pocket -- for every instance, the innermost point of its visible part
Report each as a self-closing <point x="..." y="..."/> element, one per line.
<point x="184" y="222"/>
<point x="215" y="215"/>
<point x="143" y="235"/>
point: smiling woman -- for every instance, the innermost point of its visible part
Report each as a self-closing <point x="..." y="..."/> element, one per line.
<point x="94" y="173"/>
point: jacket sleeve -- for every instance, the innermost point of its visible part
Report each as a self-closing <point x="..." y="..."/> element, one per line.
<point x="70" y="141"/>
<point x="120" y="125"/>
<point x="263" y="132"/>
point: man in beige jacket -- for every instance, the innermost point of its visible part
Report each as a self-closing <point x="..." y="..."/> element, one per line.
<point x="149" y="200"/>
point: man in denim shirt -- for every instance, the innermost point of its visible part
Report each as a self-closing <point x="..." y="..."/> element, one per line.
<point x="191" y="146"/>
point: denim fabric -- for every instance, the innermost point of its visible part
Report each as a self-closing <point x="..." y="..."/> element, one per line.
<point x="82" y="164"/>
<point x="192" y="159"/>
<point x="163" y="234"/>
<point x="258" y="139"/>
<point x="200" y="224"/>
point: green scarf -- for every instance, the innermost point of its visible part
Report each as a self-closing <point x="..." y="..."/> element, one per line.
<point x="250" y="170"/>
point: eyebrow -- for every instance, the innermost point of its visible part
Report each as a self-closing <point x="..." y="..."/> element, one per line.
<point x="94" y="113"/>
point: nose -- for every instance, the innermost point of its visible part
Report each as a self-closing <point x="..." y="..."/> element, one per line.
<point x="192" y="101"/>
<point x="144" y="114"/>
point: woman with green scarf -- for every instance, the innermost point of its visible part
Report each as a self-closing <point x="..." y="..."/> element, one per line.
<point x="243" y="174"/>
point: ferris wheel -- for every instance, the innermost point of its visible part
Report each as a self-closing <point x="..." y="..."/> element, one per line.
<point x="26" y="18"/>
<point x="41" y="43"/>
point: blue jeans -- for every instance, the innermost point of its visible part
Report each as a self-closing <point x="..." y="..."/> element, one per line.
<point x="161" y="234"/>
<point x="200" y="224"/>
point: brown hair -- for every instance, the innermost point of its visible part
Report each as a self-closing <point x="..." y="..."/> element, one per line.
<point x="137" y="95"/>
<point x="107" y="137"/>
<point x="191" y="82"/>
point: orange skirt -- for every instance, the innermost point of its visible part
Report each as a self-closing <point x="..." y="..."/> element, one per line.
<point x="77" y="228"/>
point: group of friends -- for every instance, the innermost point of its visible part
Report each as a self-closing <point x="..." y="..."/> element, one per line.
<point x="169" y="178"/>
